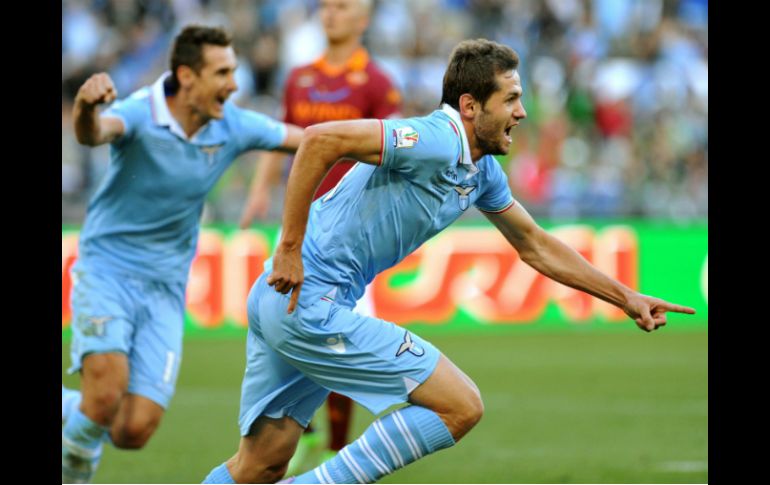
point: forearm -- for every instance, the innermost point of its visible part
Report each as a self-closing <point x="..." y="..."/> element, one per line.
<point x="561" y="263"/>
<point x="315" y="157"/>
<point x="87" y="126"/>
<point x="268" y="173"/>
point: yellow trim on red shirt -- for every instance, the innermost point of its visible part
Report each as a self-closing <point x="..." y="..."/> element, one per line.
<point x="357" y="61"/>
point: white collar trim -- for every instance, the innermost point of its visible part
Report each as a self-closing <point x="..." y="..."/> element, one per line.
<point x="466" y="156"/>
<point x="163" y="116"/>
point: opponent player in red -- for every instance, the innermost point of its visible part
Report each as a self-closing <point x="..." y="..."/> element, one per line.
<point x="342" y="84"/>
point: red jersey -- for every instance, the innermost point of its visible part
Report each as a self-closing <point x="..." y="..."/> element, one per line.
<point x="318" y="92"/>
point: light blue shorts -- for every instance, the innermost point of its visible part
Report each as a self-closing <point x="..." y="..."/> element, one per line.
<point x="294" y="360"/>
<point x="141" y="318"/>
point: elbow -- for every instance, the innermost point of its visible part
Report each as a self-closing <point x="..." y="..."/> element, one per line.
<point x="323" y="143"/>
<point x="531" y="247"/>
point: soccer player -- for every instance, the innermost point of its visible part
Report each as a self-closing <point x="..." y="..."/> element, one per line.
<point x="343" y="84"/>
<point x="414" y="178"/>
<point x="170" y="143"/>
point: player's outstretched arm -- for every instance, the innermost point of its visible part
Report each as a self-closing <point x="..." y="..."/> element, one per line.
<point x="321" y="147"/>
<point x="267" y="175"/>
<point x="90" y="128"/>
<point x="559" y="262"/>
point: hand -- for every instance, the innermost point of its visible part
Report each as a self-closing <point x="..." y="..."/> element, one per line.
<point x="256" y="206"/>
<point x="98" y="89"/>
<point x="288" y="273"/>
<point x="649" y="313"/>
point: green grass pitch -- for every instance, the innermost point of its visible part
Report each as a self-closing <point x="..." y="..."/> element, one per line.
<point x="568" y="407"/>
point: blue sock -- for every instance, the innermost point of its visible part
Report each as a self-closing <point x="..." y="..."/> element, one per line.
<point x="70" y="399"/>
<point x="81" y="447"/>
<point x="390" y="443"/>
<point x="219" y="474"/>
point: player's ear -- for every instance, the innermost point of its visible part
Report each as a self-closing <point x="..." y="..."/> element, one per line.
<point x="186" y="75"/>
<point x="468" y="106"/>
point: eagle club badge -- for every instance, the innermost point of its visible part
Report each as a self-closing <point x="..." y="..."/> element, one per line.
<point x="463" y="193"/>
<point x="211" y="150"/>
<point x="405" y="137"/>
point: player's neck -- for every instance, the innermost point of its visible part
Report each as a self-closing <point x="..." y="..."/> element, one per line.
<point x="337" y="54"/>
<point x="188" y="119"/>
<point x="473" y="146"/>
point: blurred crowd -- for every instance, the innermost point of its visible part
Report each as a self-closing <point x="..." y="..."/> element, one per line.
<point x="616" y="90"/>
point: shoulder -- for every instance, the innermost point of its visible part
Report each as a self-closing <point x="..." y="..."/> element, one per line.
<point x="377" y="75"/>
<point x="429" y="136"/>
<point x="139" y="100"/>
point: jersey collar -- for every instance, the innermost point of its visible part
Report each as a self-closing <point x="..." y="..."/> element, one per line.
<point x="162" y="115"/>
<point x="457" y="125"/>
<point x="356" y="62"/>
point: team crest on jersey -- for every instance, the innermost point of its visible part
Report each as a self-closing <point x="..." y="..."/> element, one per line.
<point x="305" y="80"/>
<point x="405" y="137"/>
<point x="409" y="346"/>
<point x="463" y="194"/>
<point x="92" y="326"/>
<point x="357" y="78"/>
<point x="211" y="151"/>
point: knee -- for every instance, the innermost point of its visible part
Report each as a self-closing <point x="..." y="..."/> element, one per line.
<point x="135" y="433"/>
<point x="104" y="386"/>
<point x="465" y="414"/>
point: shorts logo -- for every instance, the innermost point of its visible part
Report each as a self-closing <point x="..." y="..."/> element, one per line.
<point x="93" y="326"/>
<point x="409" y="346"/>
<point x="463" y="193"/>
<point x="337" y="344"/>
<point x="405" y="137"/>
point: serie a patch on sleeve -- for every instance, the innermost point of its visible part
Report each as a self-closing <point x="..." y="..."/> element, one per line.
<point x="405" y="137"/>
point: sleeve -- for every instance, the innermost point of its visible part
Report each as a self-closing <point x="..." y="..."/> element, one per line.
<point x="416" y="148"/>
<point x="257" y="131"/>
<point x="386" y="99"/>
<point x="497" y="196"/>
<point x="132" y="111"/>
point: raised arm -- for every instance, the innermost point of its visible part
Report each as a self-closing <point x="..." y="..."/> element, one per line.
<point x="320" y="149"/>
<point x="90" y="128"/>
<point x="559" y="262"/>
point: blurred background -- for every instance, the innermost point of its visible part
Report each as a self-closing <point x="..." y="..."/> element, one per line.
<point x="616" y="90"/>
<point x="613" y="159"/>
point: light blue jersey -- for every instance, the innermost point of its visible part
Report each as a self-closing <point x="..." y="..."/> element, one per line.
<point x="370" y="221"/>
<point x="141" y="232"/>
<point x="144" y="218"/>
<point x="377" y="215"/>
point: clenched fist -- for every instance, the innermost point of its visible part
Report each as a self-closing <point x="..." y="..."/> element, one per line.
<point x="98" y="89"/>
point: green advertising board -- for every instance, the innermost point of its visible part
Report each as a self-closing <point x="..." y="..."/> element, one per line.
<point x="466" y="279"/>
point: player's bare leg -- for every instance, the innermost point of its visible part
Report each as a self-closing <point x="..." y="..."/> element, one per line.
<point x="444" y="408"/>
<point x="135" y="422"/>
<point x="104" y="380"/>
<point x="263" y="455"/>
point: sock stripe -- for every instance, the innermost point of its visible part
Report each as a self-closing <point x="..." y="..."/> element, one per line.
<point x="394" y="453"/>
<point x="326" y="475"/>
<point x="381" y="467"/>
<point x="411" y="436"/>
<point x="352" y="466"/>
<point x="80" y="451"/>
<point x="405" y="434"/>
<point x="319" y="476"/>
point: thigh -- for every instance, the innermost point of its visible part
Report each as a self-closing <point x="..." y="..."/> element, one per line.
<point x="103" y="316"/>
<point x="273" y="388"/>
<point x="370" y="360"/>
<point x="156" y="352"/>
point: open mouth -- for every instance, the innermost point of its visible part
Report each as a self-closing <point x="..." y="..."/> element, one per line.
<point x="508" y="133"/>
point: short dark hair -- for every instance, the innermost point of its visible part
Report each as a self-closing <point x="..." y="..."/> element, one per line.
<point x="188" y="48"/>
<point x="472" y="68"/>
